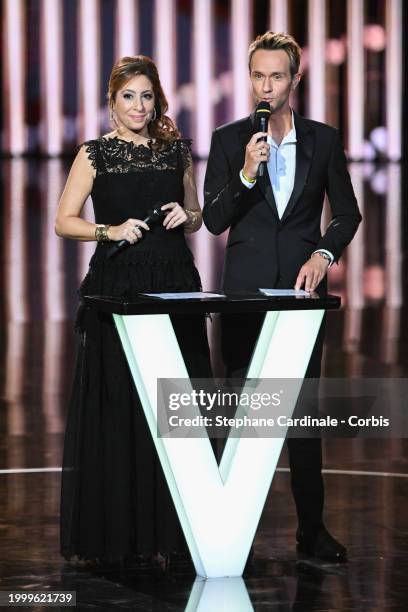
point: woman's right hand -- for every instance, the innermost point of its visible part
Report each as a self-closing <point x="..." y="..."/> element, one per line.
<point x="129" y="230"/>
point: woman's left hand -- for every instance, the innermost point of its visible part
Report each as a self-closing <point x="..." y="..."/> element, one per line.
<point x="176" y="215"/>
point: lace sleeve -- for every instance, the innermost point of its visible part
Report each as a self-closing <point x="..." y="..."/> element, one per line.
<point x="184" y="148"/>
<point x="91" y="149"/>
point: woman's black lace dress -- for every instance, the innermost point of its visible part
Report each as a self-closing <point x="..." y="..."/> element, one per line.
<point x="115" y="500"/>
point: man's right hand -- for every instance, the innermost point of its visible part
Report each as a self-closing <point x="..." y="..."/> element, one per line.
<point x="256" y="151"/>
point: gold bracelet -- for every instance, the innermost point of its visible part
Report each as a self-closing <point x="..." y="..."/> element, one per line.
<point x="249" y="180"/>
<point x="192" y="217"/>
<point x="101" y="233"/>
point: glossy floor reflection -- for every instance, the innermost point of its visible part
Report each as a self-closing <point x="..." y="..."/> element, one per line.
<point x="366" y="480"/>
<point x="368" y="514"/>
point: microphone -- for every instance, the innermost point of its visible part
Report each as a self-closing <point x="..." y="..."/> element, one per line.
<point x="154" y="215"/>
<point x="262" y="114"/>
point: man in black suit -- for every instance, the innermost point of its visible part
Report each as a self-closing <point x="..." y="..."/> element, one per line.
<point x="274" y="235"/>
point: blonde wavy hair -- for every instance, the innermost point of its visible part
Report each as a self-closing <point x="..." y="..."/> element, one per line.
<point x="270" y="41"/>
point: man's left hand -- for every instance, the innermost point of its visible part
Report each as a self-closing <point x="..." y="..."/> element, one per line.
<point x="312" y="272"/>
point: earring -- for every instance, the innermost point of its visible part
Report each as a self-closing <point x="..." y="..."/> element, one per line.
<point x="111" y="116"/>
<point x="154" y="116"/>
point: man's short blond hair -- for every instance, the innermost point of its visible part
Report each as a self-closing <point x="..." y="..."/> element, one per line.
<point x="271" y="41"/>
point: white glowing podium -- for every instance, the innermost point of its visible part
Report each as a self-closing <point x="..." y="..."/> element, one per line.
<point x="219" y="507"/>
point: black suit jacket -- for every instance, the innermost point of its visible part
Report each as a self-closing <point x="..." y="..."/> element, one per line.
<point x="263" y="250"/>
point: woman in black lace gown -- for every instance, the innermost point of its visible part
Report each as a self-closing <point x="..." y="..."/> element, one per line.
<point x="115" y="500"/>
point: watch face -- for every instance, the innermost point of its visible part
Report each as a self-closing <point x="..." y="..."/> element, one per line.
<point x="324" y="255"/>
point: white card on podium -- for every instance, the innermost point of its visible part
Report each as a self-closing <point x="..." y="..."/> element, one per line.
<point x="192" y="295"/>
<point x="284" y="292"/>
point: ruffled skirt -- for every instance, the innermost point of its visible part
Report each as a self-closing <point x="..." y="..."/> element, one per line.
<point x="115" y="502"/>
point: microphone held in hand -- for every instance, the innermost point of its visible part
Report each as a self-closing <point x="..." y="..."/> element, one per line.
<point x="154" y="215"/>
<point x="262" y="114"/>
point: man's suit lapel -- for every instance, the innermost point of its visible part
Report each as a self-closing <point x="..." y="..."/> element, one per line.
<point x="304" y="155"/>
<point x="263" y="182"/>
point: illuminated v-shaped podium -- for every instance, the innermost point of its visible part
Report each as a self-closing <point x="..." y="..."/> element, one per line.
<point x="219" y="507"/>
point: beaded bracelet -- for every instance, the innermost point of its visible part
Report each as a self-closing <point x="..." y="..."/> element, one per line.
<point x="101" y="233"/>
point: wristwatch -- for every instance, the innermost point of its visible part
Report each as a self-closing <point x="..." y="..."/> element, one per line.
<point x="324" y="255"/>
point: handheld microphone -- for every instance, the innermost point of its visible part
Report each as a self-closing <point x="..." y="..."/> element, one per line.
<point x="154" y="216"/>
<point x="262" y="114"/>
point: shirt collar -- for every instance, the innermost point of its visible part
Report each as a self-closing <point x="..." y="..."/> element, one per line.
<point x="290" y="137"/>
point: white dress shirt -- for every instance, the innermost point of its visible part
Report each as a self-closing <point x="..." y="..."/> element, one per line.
<point x="281" y="168"/>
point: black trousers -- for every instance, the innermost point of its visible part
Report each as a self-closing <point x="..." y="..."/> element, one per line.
<point x="239" y="334"/>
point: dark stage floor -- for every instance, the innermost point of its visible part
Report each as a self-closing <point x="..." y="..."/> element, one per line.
<point x="366" y="480"/>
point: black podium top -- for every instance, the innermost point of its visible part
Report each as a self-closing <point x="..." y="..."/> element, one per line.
<point x="231" y="302"/>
